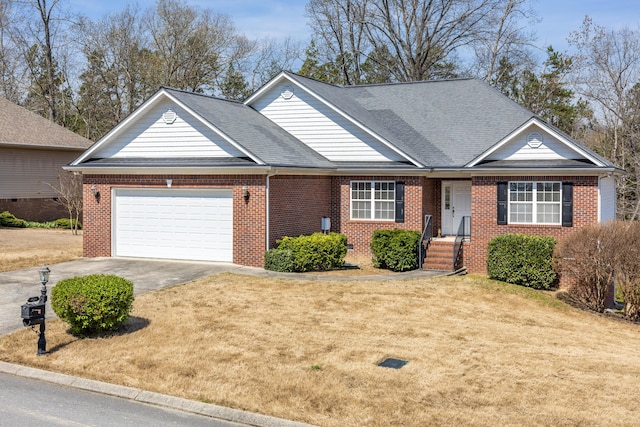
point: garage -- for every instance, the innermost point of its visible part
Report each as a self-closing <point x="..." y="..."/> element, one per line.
<point x="173" y="224"/>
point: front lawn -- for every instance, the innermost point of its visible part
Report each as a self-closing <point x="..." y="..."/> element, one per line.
<point x="479" y="352"/>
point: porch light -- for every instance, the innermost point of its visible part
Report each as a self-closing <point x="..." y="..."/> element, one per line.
<point x="95" y="192"/>
<point x="245" y="193"/>
<point x="44" y="275"/>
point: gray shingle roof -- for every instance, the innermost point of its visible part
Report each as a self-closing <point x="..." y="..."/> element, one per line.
<point x="19" y="126"/>
<point x="442" y="123"/>
<point x="250" y="129"/>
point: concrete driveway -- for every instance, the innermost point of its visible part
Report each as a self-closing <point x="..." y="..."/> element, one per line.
<point x="146" y="275"/>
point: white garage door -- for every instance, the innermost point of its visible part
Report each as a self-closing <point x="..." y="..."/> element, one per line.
<point x="173" y="224"/>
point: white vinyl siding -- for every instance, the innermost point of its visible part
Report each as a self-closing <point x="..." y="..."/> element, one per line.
<point x="519" y="149"/>
<point x="25" y="173"/>
<point x="373" y="200"/>
<point x="150" y="137"/>
<point x="173" y="224"/>
<point x="607" y="199"/>
<point x="535" y="203"/>
<point x="321" y="128"/>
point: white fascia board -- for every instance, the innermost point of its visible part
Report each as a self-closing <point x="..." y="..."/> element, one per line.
<point x="149" y="170"/>
<point x="516" y="133"/>
<point x="469" y="172"/>
<point x="144" y="107"/>
<point x="283" y="76"/>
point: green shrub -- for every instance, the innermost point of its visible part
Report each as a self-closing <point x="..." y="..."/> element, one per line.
<point x="279" y="260"/>
<point x="36" y="224"/>
<point x="8" y="220"/>
<point x="395" y="250"/>
<point x="93" y="304"/>
<point x="67" y="224"/>
<point x="522" y="260"/>
<point x="316" y="252"/>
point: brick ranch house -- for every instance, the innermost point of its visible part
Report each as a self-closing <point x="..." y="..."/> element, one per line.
<point x="188" y="176"/>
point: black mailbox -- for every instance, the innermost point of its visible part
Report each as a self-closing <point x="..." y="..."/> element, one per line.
<point x="33" y="312"/>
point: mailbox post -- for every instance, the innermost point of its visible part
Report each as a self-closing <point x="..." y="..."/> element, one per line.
<point x="33" y="312"/>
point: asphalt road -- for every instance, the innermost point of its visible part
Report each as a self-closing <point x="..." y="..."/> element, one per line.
<point x="29" y="402"/>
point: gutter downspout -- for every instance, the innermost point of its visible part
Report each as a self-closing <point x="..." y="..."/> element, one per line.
<point x="268" y="196"/>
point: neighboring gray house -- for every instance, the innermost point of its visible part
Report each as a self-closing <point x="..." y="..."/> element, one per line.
<point x="188" y="176"/>
<point x="32" y="153"/>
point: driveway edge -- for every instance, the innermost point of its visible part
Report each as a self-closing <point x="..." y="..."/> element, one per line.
<point x="148" y="397"/>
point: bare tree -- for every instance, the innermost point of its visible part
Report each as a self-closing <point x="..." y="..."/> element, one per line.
<point x="10" y="63"/>
<point x="340" y="29"/>
<point x="191" y="44"/>
<point x="607" y="69"/>
<point x="69" y="191"/>
<point x="408" y="40"/>
<point x="506" y="35"/>
<point x="117" y="76"/>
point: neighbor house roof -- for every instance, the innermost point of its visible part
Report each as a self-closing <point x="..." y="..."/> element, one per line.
<point x="21" y="127"/>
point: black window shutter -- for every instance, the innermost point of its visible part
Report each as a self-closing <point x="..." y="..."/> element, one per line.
<point x="567" y="204"/>
<point x="399" y="201"/>
<point x="502" y="203"/>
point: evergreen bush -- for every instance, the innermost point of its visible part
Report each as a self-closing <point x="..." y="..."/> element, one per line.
<point x="9" y="220"/>
<point x="93" y="304"/>
<point x="522" y="260"/>
<point x="279" y="260"/>
<point x="395" y="250"/>
<point x="67" y="224"/>
<point x="313" y="252"/>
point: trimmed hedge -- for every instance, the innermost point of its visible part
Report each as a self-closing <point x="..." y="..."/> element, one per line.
<point x="279" y="260"/>
<point x="522" y="260"/>
<point x="67" y="224"/>
<point x="93" y="304"/>
<point x="395" y="250"/>
<point x="7" y="219"/>
<point x="317" y="251"/>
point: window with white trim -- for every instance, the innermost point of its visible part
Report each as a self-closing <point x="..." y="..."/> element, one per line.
<point x="373" y="200"/>
<point x="535" y="203"/>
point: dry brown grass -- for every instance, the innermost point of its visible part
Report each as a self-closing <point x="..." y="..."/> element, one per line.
<point x="479" y="353"/>
<point x="31" y="247"/>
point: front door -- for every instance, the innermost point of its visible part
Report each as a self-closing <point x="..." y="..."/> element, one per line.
<point x="456" y="203"/>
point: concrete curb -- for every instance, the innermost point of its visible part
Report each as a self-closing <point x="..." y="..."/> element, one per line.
<point x="157" y="399"/>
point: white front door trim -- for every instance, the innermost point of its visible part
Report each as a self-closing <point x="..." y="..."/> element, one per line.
<point x="456" y="203"/>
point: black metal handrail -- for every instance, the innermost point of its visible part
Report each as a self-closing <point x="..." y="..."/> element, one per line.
<point x="464" y="230"/>
<point x="425" y="239"/>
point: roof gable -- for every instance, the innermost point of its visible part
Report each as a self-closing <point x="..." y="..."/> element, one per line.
<point x="168" y="130"/>
<point x="536" y="141"/>
<point x="163" y="127"/>
<point x="322" y="116"/>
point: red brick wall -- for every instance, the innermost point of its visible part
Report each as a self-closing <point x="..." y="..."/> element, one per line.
<point x="359" y="232"/>
<point x="484" y="214"/>
<point x="249" y="222"/>
<point x="297" y="204"/>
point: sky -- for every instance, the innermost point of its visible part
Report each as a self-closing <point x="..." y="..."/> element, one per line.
<point x="282" y="18"/>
